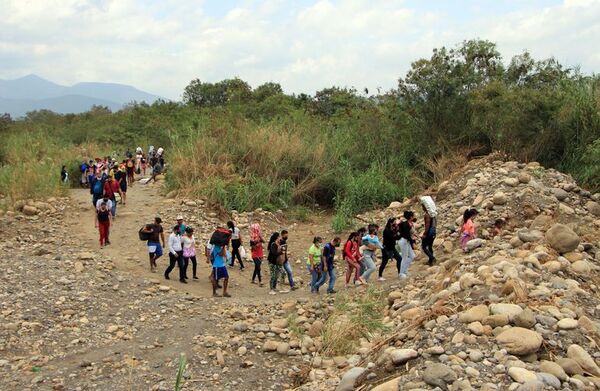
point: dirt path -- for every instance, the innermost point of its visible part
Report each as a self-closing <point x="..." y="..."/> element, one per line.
<point x="130" y="254"/>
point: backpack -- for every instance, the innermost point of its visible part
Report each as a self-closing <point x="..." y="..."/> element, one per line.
<point x="98" y="188"/>
<point x="220" y="237"/>
<point x="144" y="236"/>
<point x="83" y="167"/>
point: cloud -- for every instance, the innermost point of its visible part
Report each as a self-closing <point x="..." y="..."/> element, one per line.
<point x="305" y="45"/>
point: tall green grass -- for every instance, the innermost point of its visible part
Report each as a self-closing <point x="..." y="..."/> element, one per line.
<point x="30" y="165"/>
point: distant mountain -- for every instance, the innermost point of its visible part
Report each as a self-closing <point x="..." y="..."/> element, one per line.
<point x="19" y="96"/>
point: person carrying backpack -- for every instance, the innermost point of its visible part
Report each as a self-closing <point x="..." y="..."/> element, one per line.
<point x="83" y="168"/>
<point x="111" y="188"/>
<point x="154" y="234"/>
<point x="97" y="188"/>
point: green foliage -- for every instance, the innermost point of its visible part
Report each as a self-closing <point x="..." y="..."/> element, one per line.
<point x="246" y="148"/>
<point x="179" y="382"/>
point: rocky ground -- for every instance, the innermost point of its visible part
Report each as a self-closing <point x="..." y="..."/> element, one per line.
<point x="519" y="311"/>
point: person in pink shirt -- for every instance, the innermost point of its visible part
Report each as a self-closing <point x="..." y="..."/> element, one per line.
<point x="468" y="227"/>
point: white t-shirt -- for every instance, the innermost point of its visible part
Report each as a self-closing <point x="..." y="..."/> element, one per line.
<point x="100" y="201"/>
<point x="235" y="234"/>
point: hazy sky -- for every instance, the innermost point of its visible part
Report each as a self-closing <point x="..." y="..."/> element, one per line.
<point x="160" y="45"/>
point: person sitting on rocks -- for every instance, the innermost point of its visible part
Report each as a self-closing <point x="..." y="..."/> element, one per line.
<point x="468" y="232"/>
<point x="498" y="227"/>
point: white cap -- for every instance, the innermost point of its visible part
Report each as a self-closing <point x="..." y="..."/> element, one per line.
<point x="180" y="217"/>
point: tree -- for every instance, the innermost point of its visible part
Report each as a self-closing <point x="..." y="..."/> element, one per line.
<point x="267" y="90"/>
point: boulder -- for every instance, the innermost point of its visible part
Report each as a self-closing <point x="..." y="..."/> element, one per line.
<point x="530" y="235"/>
<point x="439" y="375"/>
<point x="553" y="369"/>
<point x="511" y="310"/>
<point x="270" y="346"/>
<point x="593" y="208"/>
<point x="499" y="198"/>
<point x="585" y="361"/>
<point x="520" y="341"/>
<point x="400" y="356"/>
<point x="560" y="194"/>
<point x="30" y="210"/>
<point x="521" y="375"/>
<point x="349" y="379"/>
<point x="562" y="238"/>
<point x="474" y="314"/>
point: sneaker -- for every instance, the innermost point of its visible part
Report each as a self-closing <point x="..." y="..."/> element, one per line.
<point x="403" y="276"/>
<point x="381" y="279"/>
<point x="195" y="278"/>
<point x="183" y="281"/>
<point x="294" y="287"/>
<point x="167" y="278"/>
<point x="253" y="282"/>
<point x="332" y="292"/>
<point x="226" y="295"/>
<point x="260" y="284"/>
<point x="272" y="292"/>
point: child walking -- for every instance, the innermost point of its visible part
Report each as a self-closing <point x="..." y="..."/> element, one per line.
<point x="103" y="222"/>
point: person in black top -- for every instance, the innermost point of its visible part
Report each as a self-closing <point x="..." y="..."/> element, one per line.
<point x="390" y="237"/>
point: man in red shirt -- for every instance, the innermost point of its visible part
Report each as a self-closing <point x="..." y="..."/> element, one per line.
<point x="111" y="188"/>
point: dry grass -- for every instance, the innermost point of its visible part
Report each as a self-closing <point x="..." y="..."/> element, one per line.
<point x="354" y="317"/>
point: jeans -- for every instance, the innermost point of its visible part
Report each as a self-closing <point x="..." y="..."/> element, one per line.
<point x="369" y="265"/>
<point x="257" y="262"/>
<point x="275" y="270"/>
<point x="180" y="263"/>
<point x="194" y="265"/>
<point x="113" y="210"/>
<point x="427" y="246"/>
<point x="288" y="270"/>
<point x="235" y="252"/>
<point x="332" y="278"/>
<point x="388" y="254"/>
<point x="318" y="277"/>
<point x="408" y="255"/>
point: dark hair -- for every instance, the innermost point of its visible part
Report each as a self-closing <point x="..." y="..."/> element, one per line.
<point x="274" y="237"/>
<point x="499" y="222"/>
<point x="336" y="239"/>
<point x="373" y="228"/>
<point x="284" y="232"/>
<point x="390" y="222"/>
<point x="176" y="228"/>
<point x="361" y="230"/>
<point x="408" y="214"/>
<point x="352" y="236"/>
<point x="189" y="230"/>
<point x="230" y="225"/>
<point x="469" y="213"/>
<point x="317" y="239"/>
<point x="157" y="220"/>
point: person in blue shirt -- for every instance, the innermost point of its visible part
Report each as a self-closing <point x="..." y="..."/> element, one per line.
<point x="329" y="255"/>
<point x="219" y="270"/>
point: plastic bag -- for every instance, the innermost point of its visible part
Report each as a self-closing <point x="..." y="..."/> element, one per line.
<point x="242" y="252"/>
<point x="428" y="203"/>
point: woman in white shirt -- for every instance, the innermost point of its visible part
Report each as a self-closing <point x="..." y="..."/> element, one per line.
<point x="236" y="243"/>
<point x="189" y="251"/>
<point x="176" y="255"/>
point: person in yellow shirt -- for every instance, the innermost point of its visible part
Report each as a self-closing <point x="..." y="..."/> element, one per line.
<point x="315" y="264"/>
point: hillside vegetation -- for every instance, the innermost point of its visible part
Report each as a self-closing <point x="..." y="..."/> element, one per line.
<point x="245" y="148"/>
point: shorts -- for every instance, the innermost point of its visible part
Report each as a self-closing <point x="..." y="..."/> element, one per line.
<point x="220" y="272"/>
<point x="154" y="248"/>
<point x="124" y="186"/>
